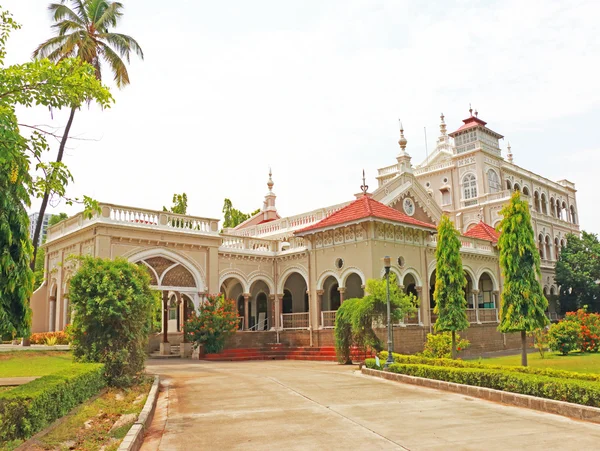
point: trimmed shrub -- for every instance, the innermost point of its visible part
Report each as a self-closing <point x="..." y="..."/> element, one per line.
<point x="550" y="372"/>
<point x="569" y="390"/>
<point x="439" y="346"/>
<point x="113" y="304"/>
<point x="29" y="408"/>
<point x="563" y="336"/>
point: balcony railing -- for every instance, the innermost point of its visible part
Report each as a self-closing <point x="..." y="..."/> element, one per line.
<point x="294" y="320"/>
<point x="328" y="319"/>
<point x="136" y="217"/>
<point x="475" y="316"/>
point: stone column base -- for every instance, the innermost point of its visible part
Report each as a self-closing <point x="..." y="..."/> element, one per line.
<point x="185" y="350"/>
<point x="165" y="349"/>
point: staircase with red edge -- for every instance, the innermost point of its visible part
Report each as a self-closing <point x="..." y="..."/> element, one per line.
<point x="284" y="352"/>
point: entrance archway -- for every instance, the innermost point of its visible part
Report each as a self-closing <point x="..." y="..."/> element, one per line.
<point x="295" y="308"/>
<point x="354" y="287"/>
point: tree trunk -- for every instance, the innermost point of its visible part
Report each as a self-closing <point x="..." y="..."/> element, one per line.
<point x="523" y="348"/>
<point x="40" y="219"/>
<point x="453" y="344"/>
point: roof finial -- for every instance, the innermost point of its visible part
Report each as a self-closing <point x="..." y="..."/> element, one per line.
<point x="364" y="187"/>
<point x="442" y="125"/>
<point x="476" y="113"/>
<point x="270" y="182"/>
<point x="470" y="110"/>
<point x="510" y="155"/>
<point x="402" y="141"/>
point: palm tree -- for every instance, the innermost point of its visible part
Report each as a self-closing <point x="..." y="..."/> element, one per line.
<point x="84" y="31"/>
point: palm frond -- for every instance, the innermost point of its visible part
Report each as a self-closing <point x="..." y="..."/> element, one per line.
<point x="65" y="26"/>
<point x="45" y="49"/>
<point x="110" y="16"/>
<point x="60" y="11"/>
<point x="80" y="10"/>
<point x="116" y="64"/>
<point x="123" y="44"/>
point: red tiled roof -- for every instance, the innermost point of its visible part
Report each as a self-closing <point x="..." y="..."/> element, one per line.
<point x="483" y="231"/>
<point x="363" y="208"/>
<point x="472" y="122"/>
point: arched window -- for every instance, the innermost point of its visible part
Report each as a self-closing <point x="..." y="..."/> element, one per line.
<point x="548" y="248"/>
<point x="564" y="214"/>
<point x="573" y="215"/>
<point x="446" y="199"/>
<point x="544" y="202"/>
<point x="517" y="187"/>
<point x="541" y="245"/>
<point x="493" y="181"/>
<point x="525" y="191"/>
<point x="469" y="184"/>
<point x="536" y="202"/>
<point x="508" y="185"/>
<point x="552" y="207"/>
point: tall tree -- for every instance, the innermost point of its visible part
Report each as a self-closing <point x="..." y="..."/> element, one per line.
<point x="522" y="304"/>
<point x="69" y="82"/>
<point x="85" y="31"/>
<point x="450" y="282"/>
<point x="179" y="204"/>
<point x="232" y="217"/>
<point x="578" y="273"/>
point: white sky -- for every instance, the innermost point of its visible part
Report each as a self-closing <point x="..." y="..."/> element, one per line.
<point x="314" y="90"/>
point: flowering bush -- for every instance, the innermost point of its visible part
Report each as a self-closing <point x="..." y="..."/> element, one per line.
<point x="563" y="336"/>
<point x="440" y="345"/>
<point x="216" y="321"/>
<point x="589" y="329"/>
<point x="42" y="338"/>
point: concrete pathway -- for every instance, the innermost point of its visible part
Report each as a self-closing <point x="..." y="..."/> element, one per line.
<point x="13" y="381"/>
<point x="313" y="405"/>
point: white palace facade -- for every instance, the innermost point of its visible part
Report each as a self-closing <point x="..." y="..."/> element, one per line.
<point x="289" y="275"/>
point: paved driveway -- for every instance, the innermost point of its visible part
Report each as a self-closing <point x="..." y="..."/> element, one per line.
<point x="312" y="405"/>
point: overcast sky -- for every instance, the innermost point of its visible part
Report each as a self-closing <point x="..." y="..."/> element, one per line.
<point x="314" y="89"/>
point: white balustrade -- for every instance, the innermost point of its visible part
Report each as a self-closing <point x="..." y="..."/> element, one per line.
<point x="328" y="319"/>
<point x="295" y="320"/>
<point x="434" y="167"/>
<point x="388" y="170"/>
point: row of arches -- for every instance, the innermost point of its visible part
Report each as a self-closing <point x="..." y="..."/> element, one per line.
<point x="553" y="207"/>
<point x="548" y="250"/>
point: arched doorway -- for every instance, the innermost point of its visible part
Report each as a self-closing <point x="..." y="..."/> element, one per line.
<point x="330" y="302"/>
<point x="52" y="309"/>
<point x="486" y="300"/>
<point x="262" y="318"/>
<point x="410" y="287"/>
<point x="295" y="302"/>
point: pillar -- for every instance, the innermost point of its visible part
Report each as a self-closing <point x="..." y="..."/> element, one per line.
<point x="52" y="314"/>
<point x="342" y="290"/>
<point x="165" y="346"/>
<point x="185" y="350"/>
<point x="476" y="305"/>
<point x="496" y="295"/>
<point x="246" y="316"/>
<point x="273" y="321"/>
<point x="280" y="304"/>
<point x="319" y="324"/>
<point x="422" y="305"/>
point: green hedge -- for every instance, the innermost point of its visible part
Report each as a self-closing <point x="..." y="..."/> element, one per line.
<point x="416" y="360"/>
<point x="29" y="408"/>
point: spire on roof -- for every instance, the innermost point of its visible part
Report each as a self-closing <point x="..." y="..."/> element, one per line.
<point x="510" y="155"/>
<point x="364" y="187"/>
<point x="270" y="182"/>
<point x="442" y="126"/>
<point x="402" y="141"/>
<point x="470" y="110"/>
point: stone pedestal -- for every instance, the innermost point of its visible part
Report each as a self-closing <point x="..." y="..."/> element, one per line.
<point x="185" y="350"/>
<point x="165" y="349"/>
<point x="25" y="342"/>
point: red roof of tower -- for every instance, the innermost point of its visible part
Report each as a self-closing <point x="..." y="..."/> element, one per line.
<point x="483" y="231"/>
<point x="473" y="122"/>
<point x="363" y="208"/>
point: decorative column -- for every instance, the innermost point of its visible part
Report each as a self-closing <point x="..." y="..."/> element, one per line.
<point x="273" y="311"/>
<point x="165" y="346"/>
<point x="496" y="295"/>
<point x="319" y="309"/>
<point x="476" y="305"/>
<point x="52" y="315"/>
<point x="280" y="316"/>
<point x="342" y="290"/>
<point x="246" y="316"/>
<point x="185" y="350"/>
<point x="421" y="303"/>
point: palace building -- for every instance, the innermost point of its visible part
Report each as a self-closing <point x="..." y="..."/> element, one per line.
<point x="289" y="275"/>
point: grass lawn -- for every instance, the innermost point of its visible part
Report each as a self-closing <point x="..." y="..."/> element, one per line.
<point x="575" y="361"/>
<point x="33" y="363"/>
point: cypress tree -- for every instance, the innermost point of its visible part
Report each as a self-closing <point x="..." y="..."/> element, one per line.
<point x="450" y="282"/>
<point x="522" y="303"/>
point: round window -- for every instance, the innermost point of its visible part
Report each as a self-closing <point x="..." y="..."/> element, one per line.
<point x="339" y="263"/>
<point x="427" y="184"/>
<point x="401" y="261"/>
<point x="445" y="179"/>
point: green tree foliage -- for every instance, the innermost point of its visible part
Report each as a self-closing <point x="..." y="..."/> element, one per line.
<point x="522" y="304"/>
<point x="450" y="282"/>
<point x="113" y="306"/>
<point x="179" y="204"/>
<point x="577" y="270"/>
<point x="355" y="317"/>
<point x="444" y="345"/>
<point x="41" y="255"/>
<point x="232" y="217"/>
<point x="216" y="321"/>
<point x="68" y="82"/>
<point x="85" y="32"/>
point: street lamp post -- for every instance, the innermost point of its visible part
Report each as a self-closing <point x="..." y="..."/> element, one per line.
<point x="387" y="265"/>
